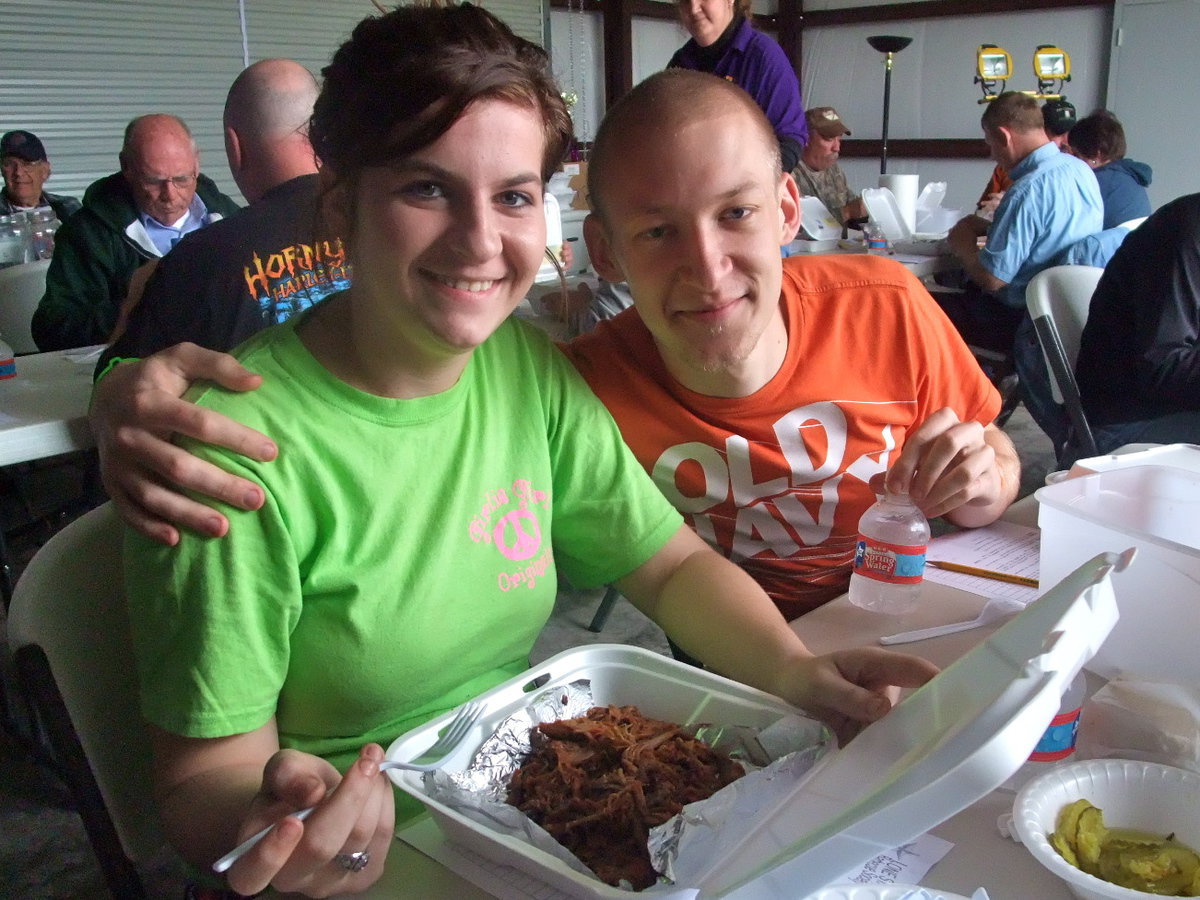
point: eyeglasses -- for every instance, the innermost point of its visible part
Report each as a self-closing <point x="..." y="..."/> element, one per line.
<point x="20" y="163"/>
<point x="180" y="181"/>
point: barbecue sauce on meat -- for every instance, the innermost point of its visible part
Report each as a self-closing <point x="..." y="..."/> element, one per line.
<point x="600" y="782"/>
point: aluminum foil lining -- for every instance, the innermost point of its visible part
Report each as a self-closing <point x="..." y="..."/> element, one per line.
<point x="682" y="848"/>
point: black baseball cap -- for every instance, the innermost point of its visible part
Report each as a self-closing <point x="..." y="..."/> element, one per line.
<point x="23" y="145"/>
<point x="1058" y="116"/>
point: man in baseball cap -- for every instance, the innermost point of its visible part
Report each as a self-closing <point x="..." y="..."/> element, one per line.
<point x="26" y="167"/>
<point x="818" y="174"/>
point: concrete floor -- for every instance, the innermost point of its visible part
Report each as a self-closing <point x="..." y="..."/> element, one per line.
<point x="44" y="852"/>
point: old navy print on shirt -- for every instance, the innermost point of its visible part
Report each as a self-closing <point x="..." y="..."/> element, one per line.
<point x="293" y="279"/>
<point x="508" y="520"/>
<point x="785" y="507"/>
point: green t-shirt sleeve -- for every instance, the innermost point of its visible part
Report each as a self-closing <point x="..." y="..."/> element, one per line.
<point x="211" y="619"/>
<point x="609" y="517"/>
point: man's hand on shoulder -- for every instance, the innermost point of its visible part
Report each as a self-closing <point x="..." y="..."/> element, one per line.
<point x="136" y="410"/>
<point x="964" y="471"/>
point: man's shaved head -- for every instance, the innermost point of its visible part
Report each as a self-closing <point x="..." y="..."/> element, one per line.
<point x="271" y="98"/>
<point x="662" y="104"/>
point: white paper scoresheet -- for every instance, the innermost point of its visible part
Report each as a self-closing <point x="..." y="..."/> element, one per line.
<point x="1000" y="547"/>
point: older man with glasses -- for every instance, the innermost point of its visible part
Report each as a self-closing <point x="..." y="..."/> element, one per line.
<point x="26" y="168"/>
<point x="128" y="218"/>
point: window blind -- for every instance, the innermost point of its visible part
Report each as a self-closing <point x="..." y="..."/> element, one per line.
<point x="76" y="71"/>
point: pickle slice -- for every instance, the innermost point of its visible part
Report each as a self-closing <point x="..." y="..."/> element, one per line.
<point x="1127" y="857"/>
<point x="1089" y="836"/>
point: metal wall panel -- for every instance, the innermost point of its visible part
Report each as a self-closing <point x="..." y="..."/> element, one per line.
<point x="75" y="72"/>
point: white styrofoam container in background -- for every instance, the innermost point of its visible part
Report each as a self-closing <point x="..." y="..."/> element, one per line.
<point x="1156" y="509"/>
<point x="817" y="222"/>
<point x="945" y="746"/>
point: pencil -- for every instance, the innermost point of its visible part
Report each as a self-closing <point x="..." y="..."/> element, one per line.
<point x="984" y="573"/>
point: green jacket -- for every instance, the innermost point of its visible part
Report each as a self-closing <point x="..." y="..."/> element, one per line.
<point x="95" y="254"/>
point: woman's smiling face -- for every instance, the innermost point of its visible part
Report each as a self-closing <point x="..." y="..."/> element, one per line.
<point x="447" y="241"/>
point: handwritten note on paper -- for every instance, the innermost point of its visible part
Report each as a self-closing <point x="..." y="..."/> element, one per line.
<point x="1001" y="547"/>
<point x="907" y="864"/>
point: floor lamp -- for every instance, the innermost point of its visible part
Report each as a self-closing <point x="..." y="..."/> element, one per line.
<point x="889" y="44"/>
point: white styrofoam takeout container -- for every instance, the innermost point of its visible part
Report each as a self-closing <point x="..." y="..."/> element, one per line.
<point x="941" y="749"/>
<point x="817" y="221"/>
<point x="1156" y="509"/>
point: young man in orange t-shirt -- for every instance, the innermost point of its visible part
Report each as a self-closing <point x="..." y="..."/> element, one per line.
<point x="764" y="395"/>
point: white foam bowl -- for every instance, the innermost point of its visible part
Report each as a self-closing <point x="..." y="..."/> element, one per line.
<point x="1132" y="794"/>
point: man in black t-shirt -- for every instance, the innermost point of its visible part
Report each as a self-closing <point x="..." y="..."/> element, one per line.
<point x="222" y="284"/>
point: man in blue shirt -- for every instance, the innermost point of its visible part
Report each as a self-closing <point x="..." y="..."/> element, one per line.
<point x="1054" y="202"/>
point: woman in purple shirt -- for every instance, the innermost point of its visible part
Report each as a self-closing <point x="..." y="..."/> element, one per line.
<point x="724" y="43"/>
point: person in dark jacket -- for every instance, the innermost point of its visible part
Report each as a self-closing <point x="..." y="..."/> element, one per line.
<point x="1099" y="140"/>
<point x="26" y="169"/>
<point x="128" y="218"/>
<point x="1139" y="357"/>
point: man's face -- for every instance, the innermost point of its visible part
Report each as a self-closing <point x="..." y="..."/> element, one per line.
<point x="161" y="173"/>
<point x="24" y="179"/>
<point x="821" y="152"/>
<point x="694" y="222"/>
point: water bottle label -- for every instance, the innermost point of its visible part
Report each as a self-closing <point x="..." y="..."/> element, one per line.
<point x="1058" y="741"/>
<point x="8" y="367"/>
<point x="889" y="563"/>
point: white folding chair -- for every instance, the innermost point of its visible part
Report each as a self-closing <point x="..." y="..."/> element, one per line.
<point x="21" y="289"/>
<point x="68" y="630"/>
<point x="1058" y="300"/>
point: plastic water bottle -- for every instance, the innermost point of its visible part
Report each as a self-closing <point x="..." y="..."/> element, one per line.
<point x="1058" y="740"/>
<point x="44" y="223"/>
<point x="877" y="242"/>
<point x="8" y="362"/>
<point x="889" y="560"/>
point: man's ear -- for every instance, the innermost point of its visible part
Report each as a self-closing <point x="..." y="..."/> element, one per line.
<point x="789" y="209"/>
<point x="334" y="201"/>
<point x="600" y="250"/>
<point x="233" y="151"/>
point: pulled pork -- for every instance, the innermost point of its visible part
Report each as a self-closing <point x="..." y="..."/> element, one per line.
<point x="599" y="782"/>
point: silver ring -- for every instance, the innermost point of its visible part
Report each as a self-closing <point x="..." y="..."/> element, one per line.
<point x="353" y="862"/>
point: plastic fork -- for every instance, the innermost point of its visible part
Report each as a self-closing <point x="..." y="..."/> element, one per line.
<point x="995" y="608"/>
<point x="433" y="758"/>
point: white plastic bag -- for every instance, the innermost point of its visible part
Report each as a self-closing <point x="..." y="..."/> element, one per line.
<point x="1152" y="721"/>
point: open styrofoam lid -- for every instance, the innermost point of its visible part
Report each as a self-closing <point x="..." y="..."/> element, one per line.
<point x="817" y="222"/>
<point x="945" y="746"/>
<point x="885" y="212"/>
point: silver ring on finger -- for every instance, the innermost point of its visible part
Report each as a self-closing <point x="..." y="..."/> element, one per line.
<point x="353" y="862"/>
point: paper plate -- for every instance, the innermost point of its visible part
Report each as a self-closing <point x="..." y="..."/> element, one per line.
<point x="1132" y="794"/>
<point x="877" y="892"/>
